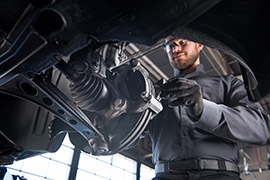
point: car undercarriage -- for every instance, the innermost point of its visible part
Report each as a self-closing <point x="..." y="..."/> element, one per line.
<point x="65" y="68"/>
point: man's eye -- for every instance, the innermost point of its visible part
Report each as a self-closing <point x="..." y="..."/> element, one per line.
<point x="182" y="43"/>
<point x="172" y="46"/>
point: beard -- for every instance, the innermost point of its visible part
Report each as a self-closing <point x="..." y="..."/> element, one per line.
<point x="185" y="62"/>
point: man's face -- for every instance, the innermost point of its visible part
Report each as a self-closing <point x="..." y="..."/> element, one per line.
<point x="183" y="54"/>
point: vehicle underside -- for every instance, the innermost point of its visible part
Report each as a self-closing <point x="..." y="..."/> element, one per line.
<point x="65" y="68"/>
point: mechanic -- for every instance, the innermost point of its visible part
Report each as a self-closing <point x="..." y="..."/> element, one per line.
<point x="204" y="118"/>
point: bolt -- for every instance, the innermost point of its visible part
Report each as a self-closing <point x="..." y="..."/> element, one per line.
<point x="118" y="103"/>
<point x="146" y="96"/>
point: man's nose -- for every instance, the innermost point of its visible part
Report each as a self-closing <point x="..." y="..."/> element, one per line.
<point x="177" y="48"/>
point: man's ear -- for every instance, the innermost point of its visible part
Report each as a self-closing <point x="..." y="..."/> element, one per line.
<point x="200" y="46"/>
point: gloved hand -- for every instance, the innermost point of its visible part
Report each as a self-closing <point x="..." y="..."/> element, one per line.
<point x="185" y="92"/>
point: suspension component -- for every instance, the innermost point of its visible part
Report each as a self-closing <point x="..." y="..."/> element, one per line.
<point x="89" y="90"/>
<point x="119" y="102"/>
<point x="90" y="93"/>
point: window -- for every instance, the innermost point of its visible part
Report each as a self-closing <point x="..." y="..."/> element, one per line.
<point x="46" y="166"/>
<point x="114" y="167"/>
<point x="56" y="166"/>
<point x="147" y="173"/>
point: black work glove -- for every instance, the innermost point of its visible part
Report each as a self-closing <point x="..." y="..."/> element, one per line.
<point x="185" y="92"/>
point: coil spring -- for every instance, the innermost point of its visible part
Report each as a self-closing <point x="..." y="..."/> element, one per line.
<point x="90" y="93"/>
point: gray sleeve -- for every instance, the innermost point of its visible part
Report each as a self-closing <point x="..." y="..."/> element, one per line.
<point x="238" y="121"/>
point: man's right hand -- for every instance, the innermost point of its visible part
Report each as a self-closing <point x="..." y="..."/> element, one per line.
<point x="185" y="92"/>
